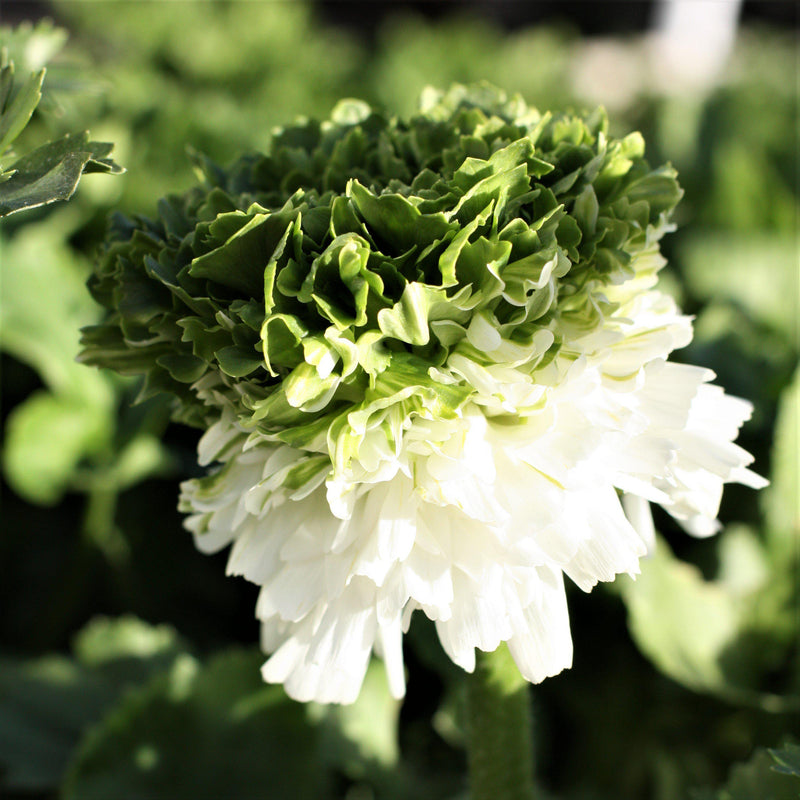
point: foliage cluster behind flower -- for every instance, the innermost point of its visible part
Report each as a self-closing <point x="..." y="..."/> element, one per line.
<point x="430" y="358"/>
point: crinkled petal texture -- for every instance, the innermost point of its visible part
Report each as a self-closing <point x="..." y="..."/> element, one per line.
<point x="476" y="519"/>
<point x="432" y="367"/>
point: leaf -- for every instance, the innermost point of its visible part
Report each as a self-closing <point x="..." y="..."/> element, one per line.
<point x="758" y="779"/>
<point x="407" y="320"/>
<point x="15" y="117"/>
<point x="780" y="499"/>
<point x="47" y="703"/>
<point x="239" y="262"/>
<point x="46" y="438"/>
<point x="45" y="706"/>
<point x="787" y="760"/>
<point x="52" y="171"/>
<point x="108" y="639"/>
<point x="713" y="636"/>
<point x="237" y="362"/>
<point x="362" y="736"/>
<point x="659" y="188"/>
<point x="145" y="455"/>
<point x="758" y="272"/>
<point x="31" y="47"/>
<point x="42" y="306"/>
<point x="212" y="731"/>
<point x="396" y="219"/>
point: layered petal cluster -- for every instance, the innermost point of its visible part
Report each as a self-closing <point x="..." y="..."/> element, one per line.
<point x="431" y="366"/>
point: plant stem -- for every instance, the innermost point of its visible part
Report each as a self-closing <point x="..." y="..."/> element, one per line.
<point x="498" y="723"/>
<point x="99" y="529"/>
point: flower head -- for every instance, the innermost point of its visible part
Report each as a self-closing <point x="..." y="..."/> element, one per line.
<point x="431" y="365"/>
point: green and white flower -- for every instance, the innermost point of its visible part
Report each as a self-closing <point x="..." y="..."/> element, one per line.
<point x="431" y="365"/>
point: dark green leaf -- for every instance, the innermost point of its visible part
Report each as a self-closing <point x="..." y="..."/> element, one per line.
<point x="200" y="732"/>
<point x="759" y="780"/>
<point x="239" y="262"/>
<point x="714" y="636"/>
<point x="787" y="760"/>
<point x="14" y="117"/>
<point x="51" y="172"/>
<point x="46" y="704"/>
<point x="237" y="362"/>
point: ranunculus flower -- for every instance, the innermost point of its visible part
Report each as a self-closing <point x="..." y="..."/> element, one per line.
<point x="431" y="365"/>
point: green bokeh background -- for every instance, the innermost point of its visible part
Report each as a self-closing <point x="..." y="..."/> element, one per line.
<point x="127" y="659"/>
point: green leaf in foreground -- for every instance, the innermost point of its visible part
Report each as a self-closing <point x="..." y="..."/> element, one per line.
<point x="724" y="636"/>
<point x="52" y="171"/>
<point x="16" y="110"/>
<point x="200" y="732"/>
<point x="46" y="704"/>
<point x="787" y="760"/>
<point x="758" y="780"/>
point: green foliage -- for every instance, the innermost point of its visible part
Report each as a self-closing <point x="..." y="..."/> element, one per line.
<point x="722" y="636"/>
<point x="16" y="107"/>
<point x="731" y="267"/>
<point x="241" y="734"/>
<point x="47" y="438"/>
<point x="50" y="172"/>
<point x="51" y="433"/>
<point x="120" y="716"/>
<point x="73" y="422"/>
<point x="47" y="703"/>
<point x="787" y="760"/>
<point x="536" y="62"/>
<point x="55" y="429"/>
<point x="32" y="47"/>
<point x="758" y="778"/>
<point x="742" y="162"/>
<point x="221" y="86"/>
<point x="361" y="738"/>
<point x="780" y="500"/>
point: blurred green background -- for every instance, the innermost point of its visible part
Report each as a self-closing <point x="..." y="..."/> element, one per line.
<point x="127" y="659"/>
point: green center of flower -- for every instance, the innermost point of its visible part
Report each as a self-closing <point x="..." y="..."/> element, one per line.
<point x="367" y="262"/>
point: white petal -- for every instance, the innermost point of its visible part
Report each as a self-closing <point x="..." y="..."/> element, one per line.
<point x="390" y="648"/>
<point x="216" y="439"/>
<point x="327" y="661"/>
<point x="541" y="644"/>
<point x="637" y="509"/>
<point x="612" y="545"/>
<point x="479" y="619"/>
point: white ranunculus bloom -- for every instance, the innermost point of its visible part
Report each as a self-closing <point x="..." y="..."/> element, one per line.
<point x="432" y="368"/>
<point x="473" y="518"/>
